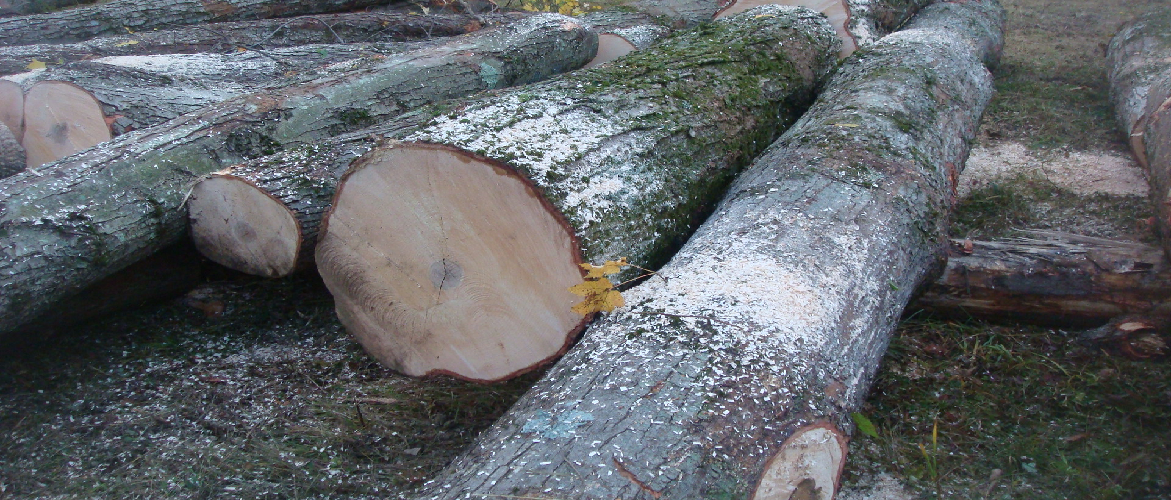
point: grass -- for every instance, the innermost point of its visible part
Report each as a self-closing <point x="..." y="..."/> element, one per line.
<point x="1057" y="419"/>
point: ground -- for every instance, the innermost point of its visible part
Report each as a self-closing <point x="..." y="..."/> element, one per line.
<point x="271" y="399"/>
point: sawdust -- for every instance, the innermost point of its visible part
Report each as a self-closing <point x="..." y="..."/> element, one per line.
<point x="1085" y="173"/>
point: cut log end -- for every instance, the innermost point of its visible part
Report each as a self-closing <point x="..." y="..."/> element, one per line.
<point x="60" y="119"/>
<point x="610" y="47"/>
<point x="241" y="227"/>
<point x="808" y="467"/>
<point x="441" y="261"/>
<point x="12" y="108"/>
<point x="837" y="12"/>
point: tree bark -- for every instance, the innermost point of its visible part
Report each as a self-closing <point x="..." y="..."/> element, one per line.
<point x="620" y="33"/>
<point x="1157" y="144"/>
<point x="263" y="34"/>
<point x="499" y="193"/>
<point x="1051" y="279"/>
<point x="1139" y="56"/>
<point x="119" y="16"/>
<point x="82" y="219"/>
<point x="733" y="372"/>
<point x="22" y="7"/>
<point x="12" y="155"/>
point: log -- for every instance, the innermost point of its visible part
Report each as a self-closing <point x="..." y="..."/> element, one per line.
<point x="1138" y="56"/>
<point x="80" y="220"/>
<point x="60" y="119"/>
<point x="20" y="7"/>
<point x="1157" y="144"/>
<point x="857" y="22"/>
<point x="262" y="34"/>
<point x="119" y="16"/>
<point x="451" y="252"/>
<point x="620" y="33"/>
<point x="733" y="371"/>
<point x="12" y="108"/>
<point x="1050" y="278"/>
<point x="12" y="155"/>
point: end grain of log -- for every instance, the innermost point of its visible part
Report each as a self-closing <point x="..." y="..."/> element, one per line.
<point x="623" y="159"/>
<point x="60" y="119"/>
<point x="772" y="320"/>
<point x="12" y="108"/>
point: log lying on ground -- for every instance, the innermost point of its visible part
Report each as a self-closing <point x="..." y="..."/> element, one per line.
<point x="733" y="371"/>
<point x="21" y="7"/>
<point x="98" y="211"/>
<point x="858" y="22"/>
<point x="1157" y="144"/>
<point x="12" y="155"/>
<point x="136" y="92"/>
<point x="1051" y="278"/>
<point x="60" y="119"/>
<point x="118" y="16"/>
<point x="452" y="252"/>
<point x="264" y="34"/>
<point x="1139" y="56"/>
<point x="620" y="33"/>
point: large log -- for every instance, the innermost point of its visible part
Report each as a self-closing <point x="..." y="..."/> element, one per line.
<point x="858" y="22"/>
<point x="19" y="7"/>
<point x="452" y="252"/>
<point x="119" y="16"/>
<point x="83" y="218"/>
<point x="1052" y="279"/>
<point x="263" y="34"/>
<point x="1157" y="144"/>
<point x="733" y="371"/>
<point x="1139" y="56"/>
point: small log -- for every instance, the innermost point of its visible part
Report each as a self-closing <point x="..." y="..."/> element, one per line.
<point x="60" y="119"/>
<point x="261" y="34"/>
<point x="858" y="22"/>
<point x="452" y="252"/>
<point x="12" y="155"/>
<point x="733" y="371"/>
<point x="119" y="16"/>
<point x="1139" y="56"/>
<point x="22" y="7"/>
<point x="1050" y="278"/>
<point x="82" y="219"/>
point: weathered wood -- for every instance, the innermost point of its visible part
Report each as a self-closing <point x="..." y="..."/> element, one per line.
<point x="1139" y="55"/>
<point x="1052" y="279"/>
<point x="118" y="16"/>
<point x="21" y="7"/>
<point x="1157" y="144"/>
<point x="60" y="119"/>
<point x="732" y="373"/>
<point x="263" y="34"/>
<point x="623" y="160"/>
<point x="83" y="219"/>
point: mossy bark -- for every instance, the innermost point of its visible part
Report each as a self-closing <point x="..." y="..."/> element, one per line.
<point x="774" y="316"/>
<point x="1050" y="279"/>
<point x="1139" y="56"/>
<point x="81" y="219"/>
<point x="263" y="34"/>
<point x="118" y="16"/>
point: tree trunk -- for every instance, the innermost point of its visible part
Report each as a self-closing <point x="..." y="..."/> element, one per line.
<point x="84" y="218"/>
<point x="136" y="92"/>
<point x="1157" y="142"/>
<point x="1051" y="278"/>
<point x="22" y="7"/>
<point x="734" y="370"/>
<point x="119" y="16"/>
<point x="452" y="251"/>
<point x="285" y="196"/>
<point x="1139" y="56"/>
<point x="264" y="34"/>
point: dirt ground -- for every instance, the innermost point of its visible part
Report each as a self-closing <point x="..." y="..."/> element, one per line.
<point x="271" y="399"/>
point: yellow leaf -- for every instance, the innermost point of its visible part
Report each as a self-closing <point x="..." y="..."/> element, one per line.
<point x="609" y="267"/>
<point x="849" y="125"/>
<point x="591" y="287"/>
<point x="36" y="64"/>
<point x="606" y="301"/>
<point x="128" y="30"/>
<point x="128" y="42"/>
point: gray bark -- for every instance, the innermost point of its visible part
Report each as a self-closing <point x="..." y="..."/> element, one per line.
<point x="1139" y="55"/>
<point x="1157" y="141"/>
<point x="264" y="34"/>
<point x="118" y="16"/>
<point x="774" y="316"/>
<point x="12" y="157"/>
<point x="1051" y="279"/>
<point x="85" y="217"/>
<point x="19" y="7"/>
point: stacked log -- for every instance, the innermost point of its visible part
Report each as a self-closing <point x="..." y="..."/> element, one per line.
<point x="119" y="16"/>
<point x="1139" y="57"/>
<point x="452" y="250"/>
<point x="19" y="7"/>
<point x="262" y="34"/>
<point x="733" y="371"/>
<point x="81" y="219"/>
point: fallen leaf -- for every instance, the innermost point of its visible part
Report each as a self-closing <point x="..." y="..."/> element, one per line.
<point x="127" y="42"/>
<point x="36" y="64"/>
<point x="608" y="267"/>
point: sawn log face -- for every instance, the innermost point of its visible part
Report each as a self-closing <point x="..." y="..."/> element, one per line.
<point x="773" y="317"/>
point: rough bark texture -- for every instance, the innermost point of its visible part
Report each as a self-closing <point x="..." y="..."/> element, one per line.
<point x="1157" y="141"/>
<point x="12" y="156"/>
<point x="858" y="22"/>
<point x="118" y="16"/>
<point x="620" y="33"/>
<point x="265" y="34"/>
<point x="136" y="92"/>
<point x="1139" y="55"/>
<point x="773" y="317"/>
<point x="631" y="155"/>
<point x="85" y="218"/>
<point x="1051" y="279"/>
<point x="20" y="7"/>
